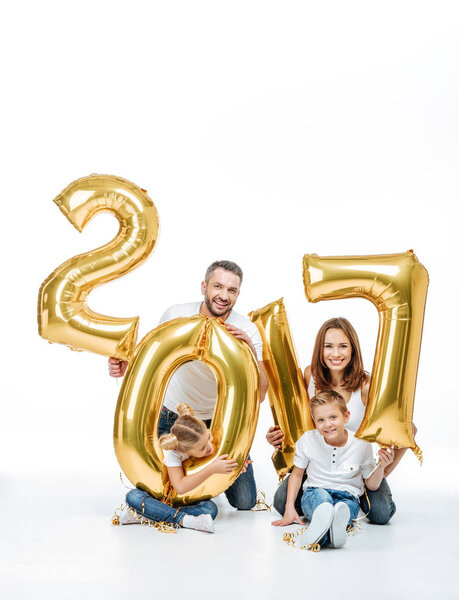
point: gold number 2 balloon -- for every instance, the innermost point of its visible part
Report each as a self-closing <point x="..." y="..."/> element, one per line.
<point x="141" y="397"/>
<point x="397" y="285"/>
<point x="63" y="314"/>
<point x="287" y="392"/>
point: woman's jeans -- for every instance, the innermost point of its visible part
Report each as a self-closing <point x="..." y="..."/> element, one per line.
<point x="312" y="497"/>
<point x="382" y="508"/>
<point x="153" y="509"/>
<point x="242" y="494"/>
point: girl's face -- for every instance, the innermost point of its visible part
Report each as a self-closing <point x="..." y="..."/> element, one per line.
<point x="204" y="447"/>
<point x="337" y="351"/>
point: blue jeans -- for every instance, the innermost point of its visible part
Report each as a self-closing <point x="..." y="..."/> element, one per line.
<point x="155" y="510"/>
<point x="242" y="494"/>
<point x="382" y="507"/>
<point x="312" y="497"/>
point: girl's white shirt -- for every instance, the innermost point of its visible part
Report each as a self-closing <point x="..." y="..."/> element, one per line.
<point x="173" y="458"/>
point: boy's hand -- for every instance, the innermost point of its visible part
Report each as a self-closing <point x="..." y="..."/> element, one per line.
<point x="290" y="516"/>
<point x="224" y="465"/>
<point x="117" y="368"/>
<point x="275" y="436"/>
<point x="386" y="457"/>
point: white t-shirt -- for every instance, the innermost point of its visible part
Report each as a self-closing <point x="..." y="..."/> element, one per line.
<point x="332" y="467"/>
<point x="174" y="458"/>
<point x="194" y="383"/>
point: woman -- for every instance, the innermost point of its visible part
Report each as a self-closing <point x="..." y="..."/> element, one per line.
<point x="337" y="365"/>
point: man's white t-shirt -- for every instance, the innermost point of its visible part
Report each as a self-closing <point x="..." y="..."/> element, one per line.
<point x="194" y="383"/>
<point x="336" y="468"/>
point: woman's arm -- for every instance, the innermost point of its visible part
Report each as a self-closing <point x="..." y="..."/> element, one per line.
<point x="294" y="483"/>
<point x="185" y="483"/>
<point x="307" y="375"/>
<point x="398" y="455"/>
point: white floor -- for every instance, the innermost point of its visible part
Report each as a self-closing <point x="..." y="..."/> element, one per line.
<point x="58" y="542"/>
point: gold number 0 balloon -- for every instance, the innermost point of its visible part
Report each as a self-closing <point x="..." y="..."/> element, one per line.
<point x="156" y="358"/>
<point x="63" y="315"/>
<point x="287" y="392"/>
<point x="397" y="285"/>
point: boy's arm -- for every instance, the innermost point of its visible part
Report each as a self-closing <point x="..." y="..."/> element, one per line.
<point x="386" y="457"/>
<point x="294" y="483"/>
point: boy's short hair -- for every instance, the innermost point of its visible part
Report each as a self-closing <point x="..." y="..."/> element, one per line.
<point x="328" y="397"/>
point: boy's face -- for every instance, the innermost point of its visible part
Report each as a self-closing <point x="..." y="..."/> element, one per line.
<point x="330" y="422"/>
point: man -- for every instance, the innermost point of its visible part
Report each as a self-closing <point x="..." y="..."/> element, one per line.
<point x="194" y="383"/>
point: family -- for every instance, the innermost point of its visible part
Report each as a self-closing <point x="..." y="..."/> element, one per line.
<point x="334" y="473"/>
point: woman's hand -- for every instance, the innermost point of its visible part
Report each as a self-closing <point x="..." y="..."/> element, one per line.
<point x="224" y="465"/>
<point x="290" y="516"/>
<point x="275" y="436"/>
<point x="117" y="368"/>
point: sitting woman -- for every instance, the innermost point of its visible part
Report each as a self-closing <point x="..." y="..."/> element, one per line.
<point x="337" y="365"/>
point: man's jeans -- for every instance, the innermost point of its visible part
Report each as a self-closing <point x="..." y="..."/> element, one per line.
<point x="155" y="510"/>
<point x="313" y="497"/>
<point x="243" y="493"/>
<point x="381" y="510"/>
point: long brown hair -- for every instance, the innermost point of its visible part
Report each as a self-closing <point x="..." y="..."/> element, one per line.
<point x="185" y="433"/>
<point x="354" y="375"/>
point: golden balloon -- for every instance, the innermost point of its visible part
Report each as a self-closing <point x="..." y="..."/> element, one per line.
<point x="63" y="314"/>
<point x="397" y="285"/>
<point x="288" y="396"/>
<point x="141" y="397"/>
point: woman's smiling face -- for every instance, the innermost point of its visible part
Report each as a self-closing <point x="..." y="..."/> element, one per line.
<point x="337" y="350"/>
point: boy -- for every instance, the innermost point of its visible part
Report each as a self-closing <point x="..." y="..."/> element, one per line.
<point x="336" y="463"/>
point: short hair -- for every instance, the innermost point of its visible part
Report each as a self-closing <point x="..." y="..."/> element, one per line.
<point x="354" y="375"/>
<point x="228" y="265"/>
<point x="328" y="397"/>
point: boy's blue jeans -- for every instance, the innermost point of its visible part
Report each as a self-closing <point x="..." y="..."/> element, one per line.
<point x="312" y="497"/>
<point x="380" y="511"/>
<point x="243" y="493"/>
<point x="155" y="510"/>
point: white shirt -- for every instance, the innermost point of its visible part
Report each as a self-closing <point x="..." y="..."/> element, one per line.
<point x="194" y="383"/>
<point x="174" y="458"/>
<point x="333" y="467"/>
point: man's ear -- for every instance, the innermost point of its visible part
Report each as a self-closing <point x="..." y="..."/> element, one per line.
<point x="203" y="287"/>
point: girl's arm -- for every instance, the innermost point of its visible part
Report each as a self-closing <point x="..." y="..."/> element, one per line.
<point x="185" y="483"/>
<point x="386" y="456"/>
<point x="294" y="483"/>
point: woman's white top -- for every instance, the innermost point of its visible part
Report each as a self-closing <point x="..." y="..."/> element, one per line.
<point x="355" y="406"/>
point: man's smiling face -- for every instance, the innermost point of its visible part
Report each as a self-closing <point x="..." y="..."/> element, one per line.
<point x="221" y="292"/>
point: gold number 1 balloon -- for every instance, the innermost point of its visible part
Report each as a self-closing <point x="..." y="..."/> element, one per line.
<point x="287" y="392"/>
<point x="141" y="397"/>
<point x="397" y="285"/>
<point x="63" y="314"/>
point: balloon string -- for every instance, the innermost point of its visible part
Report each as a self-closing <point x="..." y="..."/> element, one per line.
<point x="162" y="526"/>
<point x="261" y="503"/>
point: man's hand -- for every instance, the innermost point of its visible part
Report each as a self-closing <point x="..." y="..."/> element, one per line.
<point x="117" y="368"/>
<point x="241" y="335"/>
<point x="275" y="436"/>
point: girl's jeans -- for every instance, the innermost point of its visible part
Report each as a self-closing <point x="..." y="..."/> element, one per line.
<point x="313" y="497"/>
<point x="155" y="510"/>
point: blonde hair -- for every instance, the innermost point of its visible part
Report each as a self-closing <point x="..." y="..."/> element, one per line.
<point x="185" y="433"/>
<point x="328" y="397"/>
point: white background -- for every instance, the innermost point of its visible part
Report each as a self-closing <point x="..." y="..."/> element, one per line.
<point x="262" y="131"/>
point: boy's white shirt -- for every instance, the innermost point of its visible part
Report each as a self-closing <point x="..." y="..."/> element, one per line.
<point x="332" y="467"/>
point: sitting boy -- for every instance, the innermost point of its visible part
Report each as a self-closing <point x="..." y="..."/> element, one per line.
<point x="337" y="463"/>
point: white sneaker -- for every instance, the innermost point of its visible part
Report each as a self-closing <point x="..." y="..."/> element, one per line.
<point x="320" y="523"/>
<point x="202" y="522"/>
<point x="338" y="527"/>
<point x="128" y="517"/>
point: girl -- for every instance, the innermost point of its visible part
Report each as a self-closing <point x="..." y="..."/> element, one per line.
<point x="337" y="365"/>
<point x="189" y="436"/>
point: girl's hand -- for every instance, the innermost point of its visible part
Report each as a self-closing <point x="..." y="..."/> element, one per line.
<point x="386" y="457"/>
<point x="223" y="465"/>
<point x="247" y="463"/>
<point x="291" y="516"/>
<point x="275" y="436"/>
